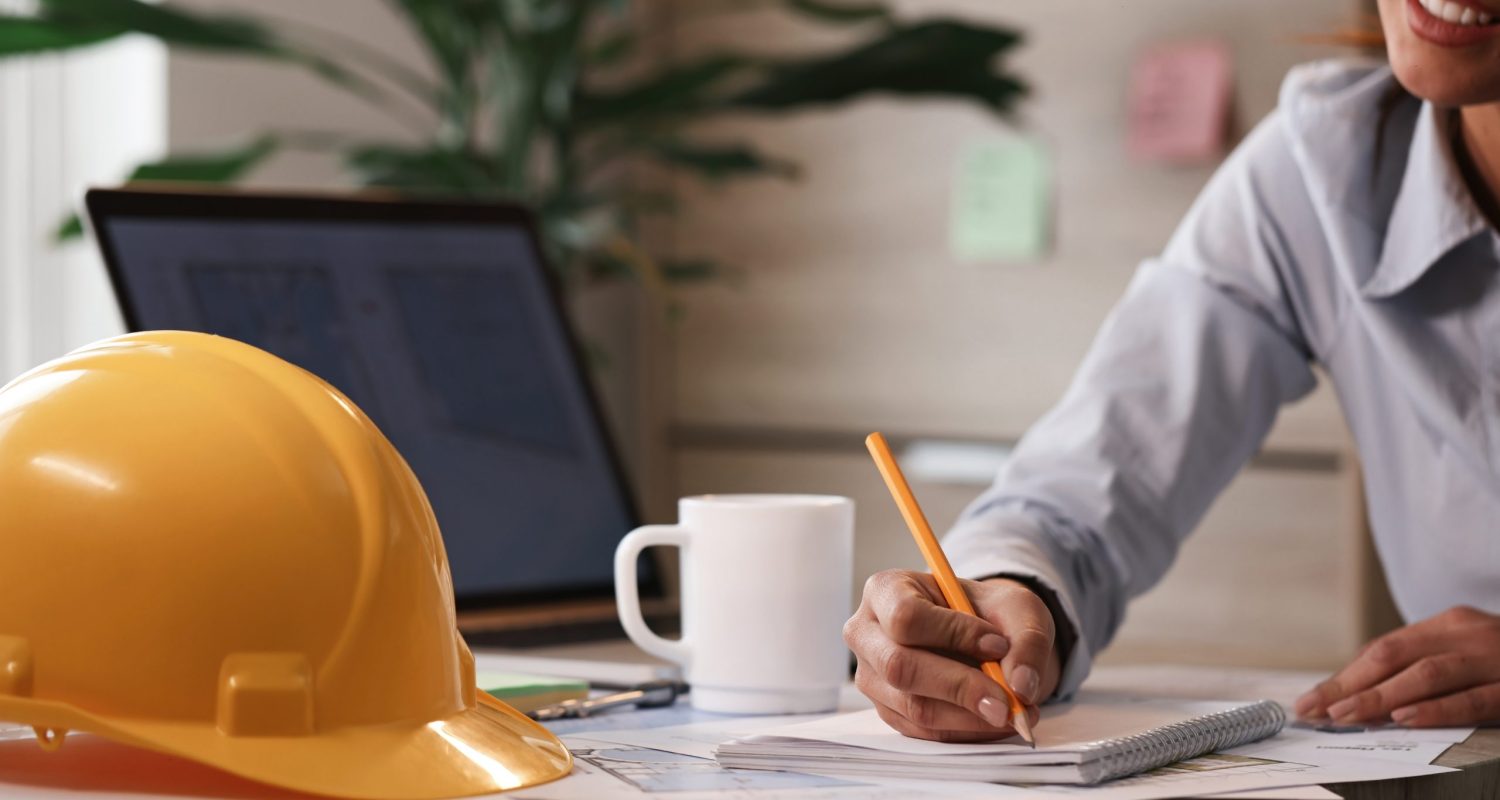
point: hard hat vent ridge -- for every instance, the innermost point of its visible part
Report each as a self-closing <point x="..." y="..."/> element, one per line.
<point x="266" y="694"/>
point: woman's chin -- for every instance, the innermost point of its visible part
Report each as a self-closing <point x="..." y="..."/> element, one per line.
<point x="1447" y="78"/>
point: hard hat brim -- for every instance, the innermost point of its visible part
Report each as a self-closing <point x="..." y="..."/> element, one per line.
<point x="488" y="748"/>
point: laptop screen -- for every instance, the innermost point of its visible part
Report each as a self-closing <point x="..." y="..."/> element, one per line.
<point x="445" y="331"/>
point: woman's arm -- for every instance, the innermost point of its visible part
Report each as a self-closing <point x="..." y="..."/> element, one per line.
<point x="1178" y="391"/>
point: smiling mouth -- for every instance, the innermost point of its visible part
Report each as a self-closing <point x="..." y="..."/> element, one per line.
<point x="1456" y="14"/>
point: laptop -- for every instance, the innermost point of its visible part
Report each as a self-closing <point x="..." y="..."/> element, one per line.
<point x="440" y="320"/>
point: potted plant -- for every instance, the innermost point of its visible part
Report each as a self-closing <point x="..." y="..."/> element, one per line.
<point x="550" y="103"/>
<point x="525" y="105"/>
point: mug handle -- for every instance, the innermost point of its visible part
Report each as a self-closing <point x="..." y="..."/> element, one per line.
<point x="627" y="594"/>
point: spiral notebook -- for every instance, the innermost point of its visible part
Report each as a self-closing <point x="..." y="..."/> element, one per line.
<point x="1096" y="738"/>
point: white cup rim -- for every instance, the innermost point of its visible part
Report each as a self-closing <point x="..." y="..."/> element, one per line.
<point x="749" y="500"/>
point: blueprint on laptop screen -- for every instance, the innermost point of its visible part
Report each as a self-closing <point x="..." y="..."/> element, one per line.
<point x="446" y="335"/>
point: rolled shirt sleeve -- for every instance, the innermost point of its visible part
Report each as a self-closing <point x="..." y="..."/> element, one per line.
<point x="1176" y="393"/>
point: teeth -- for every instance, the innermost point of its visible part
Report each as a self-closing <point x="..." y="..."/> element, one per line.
<point x="1463" y="16"/>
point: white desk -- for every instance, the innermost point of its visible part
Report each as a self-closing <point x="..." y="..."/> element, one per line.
<point x="90" y="768"/>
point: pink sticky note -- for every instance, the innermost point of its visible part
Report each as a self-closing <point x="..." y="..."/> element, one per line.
<point x="1180" y="94"/>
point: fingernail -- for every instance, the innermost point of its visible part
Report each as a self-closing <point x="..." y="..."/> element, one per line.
<point x="1026" y="682"/>
<point x="1403" y="715"/>
<point x="993" y="711"/>
<point x="994" y="645"/>
<point x="1342" y="708"/>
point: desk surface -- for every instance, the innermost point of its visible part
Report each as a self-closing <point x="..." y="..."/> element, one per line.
<point x="1478" y="757"/>
<point x="93" y="769"/>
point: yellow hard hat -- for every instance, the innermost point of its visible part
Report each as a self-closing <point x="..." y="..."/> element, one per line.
<point x="207" y="551"/>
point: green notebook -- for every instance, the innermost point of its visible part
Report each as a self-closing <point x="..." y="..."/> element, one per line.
<point x="527" y="693"/>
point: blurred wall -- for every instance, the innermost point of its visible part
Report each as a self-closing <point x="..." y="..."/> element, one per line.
<point x="67" y="122"/>
<point x="855" y="316"/>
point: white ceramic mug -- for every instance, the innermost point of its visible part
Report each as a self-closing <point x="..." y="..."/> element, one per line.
<point x="766" y="582"/>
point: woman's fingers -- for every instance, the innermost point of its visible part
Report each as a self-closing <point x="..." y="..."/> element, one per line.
<point x="1469" y="707"/>
<point x="1027" y="623"/>
<point x="929" y="714"/>
<point x="909" y="616"/>
<point x="924" y="718"/>
<point x="894" y="669"/>
<point x="1430" y="660"/>
<point x="906" y="727"/>
<point x="1378" y="661"/>
<point x="1433" y="676"/>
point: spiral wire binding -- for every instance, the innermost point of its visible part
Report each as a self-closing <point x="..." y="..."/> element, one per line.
<point x="1159" y="747"/>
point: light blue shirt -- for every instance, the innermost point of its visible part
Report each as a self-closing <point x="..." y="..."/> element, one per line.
<point x="1339" y="234"/>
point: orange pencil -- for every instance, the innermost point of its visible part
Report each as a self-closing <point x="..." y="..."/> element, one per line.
<point x="937" y="562"/>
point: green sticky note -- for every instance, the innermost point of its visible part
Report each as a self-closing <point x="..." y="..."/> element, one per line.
<point x="1002" y="201"/>
<point x="530" y="692"/>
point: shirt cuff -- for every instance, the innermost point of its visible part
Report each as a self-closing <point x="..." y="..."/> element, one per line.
<point x="995" y="556"/>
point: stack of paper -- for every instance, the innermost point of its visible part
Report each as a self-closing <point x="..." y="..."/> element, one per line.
<point x="660" y="753"/>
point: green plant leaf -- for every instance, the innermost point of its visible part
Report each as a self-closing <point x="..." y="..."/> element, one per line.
<point x="719" y="161"/>
<point x="613" y="49"/>
<point x="165" y="22"/>
<point x="21" y="35"/>
<point x="604" y="266"/>
<point x="443" y="27"/>
<point x="69" y="229"/>
<point x="646" y="202"/>
<point x="421" y="171"/>
<point x="675" y="91"/>
<point x="225" y="167"/>
<point x="63" y="24"/>
<point x="67" y="24"/>
<point x="841" y="13"/>
<point x="698" y="270"/>
<point x="941" y="58"/>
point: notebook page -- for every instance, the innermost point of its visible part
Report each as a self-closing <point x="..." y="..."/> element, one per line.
<point x="1063" y="727"/>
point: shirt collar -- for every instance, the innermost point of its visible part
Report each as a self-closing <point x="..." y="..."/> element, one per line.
<point x="1433" y="212"/>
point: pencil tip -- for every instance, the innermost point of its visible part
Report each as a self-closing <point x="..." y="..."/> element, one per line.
<point x="1023" y="727"/>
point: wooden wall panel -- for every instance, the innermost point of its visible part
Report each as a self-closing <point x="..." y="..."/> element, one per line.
<point x="852" y="307"/>
<point x="1269" y="579"/>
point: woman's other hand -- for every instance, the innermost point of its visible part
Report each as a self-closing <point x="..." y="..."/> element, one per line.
<point x="1443" y="671"/>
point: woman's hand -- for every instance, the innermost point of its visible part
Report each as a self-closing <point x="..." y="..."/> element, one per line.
<point x="1443" y="671"/>
<point x="918" y="659"/>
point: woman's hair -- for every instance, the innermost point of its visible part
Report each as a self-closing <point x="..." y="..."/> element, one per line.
<point x="1362" y="34"/>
